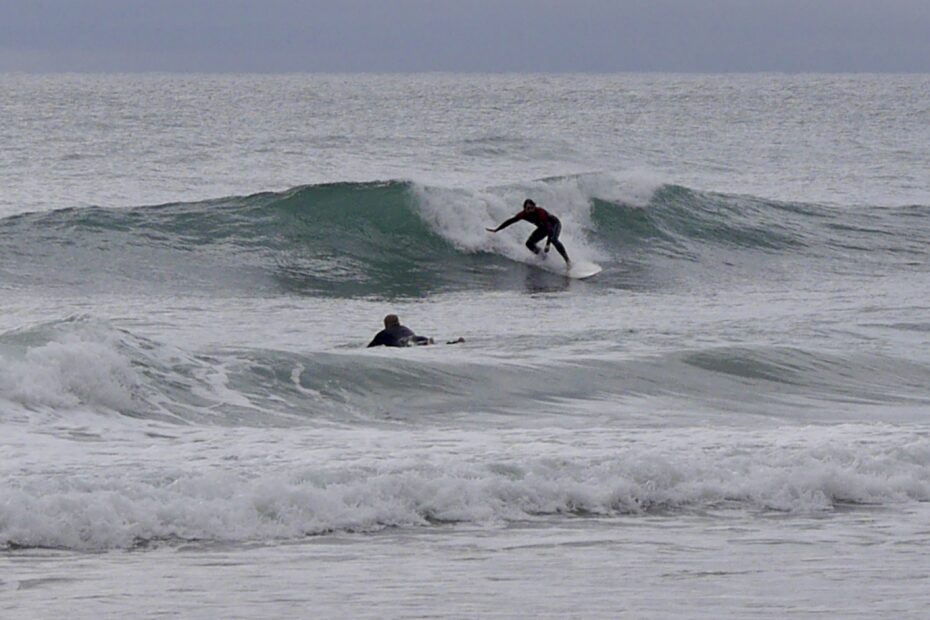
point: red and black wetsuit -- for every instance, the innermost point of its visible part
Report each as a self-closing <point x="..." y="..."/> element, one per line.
<point x="540" y="217"/>
<point x="548" y="227"/>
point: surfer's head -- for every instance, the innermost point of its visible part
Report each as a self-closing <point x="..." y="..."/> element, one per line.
<point x="528" y="205"/>
<point x="391" y="320"/>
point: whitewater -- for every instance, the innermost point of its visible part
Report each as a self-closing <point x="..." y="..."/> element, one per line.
<point x="730" y="420"/>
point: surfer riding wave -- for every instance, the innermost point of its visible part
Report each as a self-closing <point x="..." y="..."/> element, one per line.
<point x="547" y="225"/>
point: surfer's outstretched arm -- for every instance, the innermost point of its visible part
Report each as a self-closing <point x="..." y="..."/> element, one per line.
<point x="516" y="218"/>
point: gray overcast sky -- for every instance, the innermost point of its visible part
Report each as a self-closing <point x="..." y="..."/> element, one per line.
<point x="465" y="35"/>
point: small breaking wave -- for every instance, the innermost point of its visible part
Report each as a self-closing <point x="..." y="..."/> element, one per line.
<point x="83" y="364"/>
<point x="405" y="486"/>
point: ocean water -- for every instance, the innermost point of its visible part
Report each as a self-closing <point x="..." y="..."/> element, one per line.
<point x="731" y="420"/>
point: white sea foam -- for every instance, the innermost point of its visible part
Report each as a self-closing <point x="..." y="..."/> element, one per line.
<point x="461" y="215"/>
<point x="86" y="366"/>
<point x="393" y="482"/>
<point x="76" y="367"/>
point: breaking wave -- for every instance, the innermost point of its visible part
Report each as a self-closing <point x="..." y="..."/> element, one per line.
<point x="401" y="239"/>
<point x="644" y="474"/>
<point x="83" y="364"/>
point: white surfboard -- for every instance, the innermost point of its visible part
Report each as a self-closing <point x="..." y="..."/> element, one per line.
<point x="583" y="269"/>
<point x="580" y="270"/>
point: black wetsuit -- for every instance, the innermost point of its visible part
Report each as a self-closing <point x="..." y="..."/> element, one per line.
<point x="397" y="336"/>
<point x="548" y="227"/>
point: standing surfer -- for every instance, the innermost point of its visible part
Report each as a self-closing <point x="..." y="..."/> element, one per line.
<point x="547" y="225"/>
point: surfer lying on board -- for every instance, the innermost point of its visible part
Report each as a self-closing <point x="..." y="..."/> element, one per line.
<point x="547" y="225"/>
<point x="396" y="335"/>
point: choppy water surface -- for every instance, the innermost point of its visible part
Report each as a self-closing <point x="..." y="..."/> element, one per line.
<point x="730" y="419"/>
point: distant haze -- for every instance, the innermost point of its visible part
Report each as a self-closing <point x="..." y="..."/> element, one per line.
<point x="465" y="35"/>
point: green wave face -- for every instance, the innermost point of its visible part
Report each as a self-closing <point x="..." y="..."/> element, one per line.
<point x="355" y="239"/>
<point x="338" y="240"/>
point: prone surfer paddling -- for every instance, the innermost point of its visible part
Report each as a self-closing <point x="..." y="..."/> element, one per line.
<point x="396" y="335"/>
<point x="547" y="225"/>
